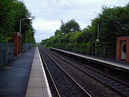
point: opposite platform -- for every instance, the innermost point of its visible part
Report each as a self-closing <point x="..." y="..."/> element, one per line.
<point x="38" y="84"/>
<point x="110" y="63"/>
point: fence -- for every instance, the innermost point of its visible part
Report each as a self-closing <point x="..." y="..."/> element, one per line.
<point x="106" y="52"/>
<point x="95" y="51"/>
<point x="26" y="46"/>
<point x="6" y="53"/>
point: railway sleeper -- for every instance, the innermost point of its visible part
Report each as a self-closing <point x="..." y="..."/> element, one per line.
<point x="119" y="87"/>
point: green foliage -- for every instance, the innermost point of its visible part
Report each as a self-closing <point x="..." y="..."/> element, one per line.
<point x="30" y="37"/>
<point x="70" y="25"/>
<point x="58" y="33"/>
<point x="112" y="23"/>
<point x="21" y="12"/>
<point x="7" y="17"/>
<point x="11" y="11"/>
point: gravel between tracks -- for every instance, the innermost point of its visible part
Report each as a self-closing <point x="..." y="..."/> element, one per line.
<point x="66" y="87"/>
<point x="95" y="88"/>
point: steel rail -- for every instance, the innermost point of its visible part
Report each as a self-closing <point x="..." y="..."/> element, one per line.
<point x="68" y="75"/>
<point x="96" y="77"/>
<point x="58" y="94"/>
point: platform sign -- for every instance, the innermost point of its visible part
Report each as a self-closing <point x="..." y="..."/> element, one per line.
<point x="8" y="38"/>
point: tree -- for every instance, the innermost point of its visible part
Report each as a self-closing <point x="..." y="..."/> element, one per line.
<point x="113" y="22"/>
<point x="63" y="27"/>
<point x="58" y="32"/>
<point x="6" y="18"/>
<point x="21" y="12"/>
<point x="27" y="30"/>
<point x="11" y="11"/>
<point x="70" y="25"/>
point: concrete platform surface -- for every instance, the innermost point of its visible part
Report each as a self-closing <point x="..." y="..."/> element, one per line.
<point x="24" y="77"/>
<point x="38" y="84"/>
<point x="15" y="75"/>
<point x="112" y="63"/>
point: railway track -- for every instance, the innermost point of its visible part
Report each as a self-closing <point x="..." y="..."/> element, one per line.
<point x="63" y="83"/>
<point x="119" y="86"/>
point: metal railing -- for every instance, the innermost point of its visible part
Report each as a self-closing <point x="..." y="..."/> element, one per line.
<point x="6" y="53"/>
<point x="105" y="52"/>
<point x="26" y="46"/>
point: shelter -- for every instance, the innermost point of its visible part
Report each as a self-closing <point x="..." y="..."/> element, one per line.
<point x="122" y="49"/>
<point x="17" y="44"/>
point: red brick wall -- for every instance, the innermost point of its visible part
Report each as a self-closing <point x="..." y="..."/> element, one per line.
<point x="118" y="48"/>
<point x="17" y="44"/>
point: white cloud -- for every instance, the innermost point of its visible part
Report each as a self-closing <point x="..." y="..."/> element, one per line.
<point x="44" y="4"/>
<point x="44" y="29"/>
<point x="47" y="25"/>
<point x="64" y="3"/>
<point x="50" y="12"/>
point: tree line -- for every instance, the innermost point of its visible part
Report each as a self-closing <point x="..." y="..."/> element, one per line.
<point x="103" y="32"/>
<point x="11" y="12"/>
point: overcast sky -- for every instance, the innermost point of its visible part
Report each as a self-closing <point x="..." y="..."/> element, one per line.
<point x="49" y="13"/>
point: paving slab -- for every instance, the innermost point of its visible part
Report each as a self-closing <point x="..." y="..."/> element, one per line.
<point x="15" y="75"/>
<point x="38" y="85"/>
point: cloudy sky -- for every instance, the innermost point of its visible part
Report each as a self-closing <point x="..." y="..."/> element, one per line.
<point x="49" y="13"/>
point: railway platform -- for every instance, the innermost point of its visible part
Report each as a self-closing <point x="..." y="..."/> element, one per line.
<point x="24" y="77"/>
<point x="118" y="65"/>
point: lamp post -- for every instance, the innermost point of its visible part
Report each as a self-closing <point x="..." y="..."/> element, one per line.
<point x="20" y="22"/>
<point x="94" y="48"/>
<point x="98" y="32"/>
